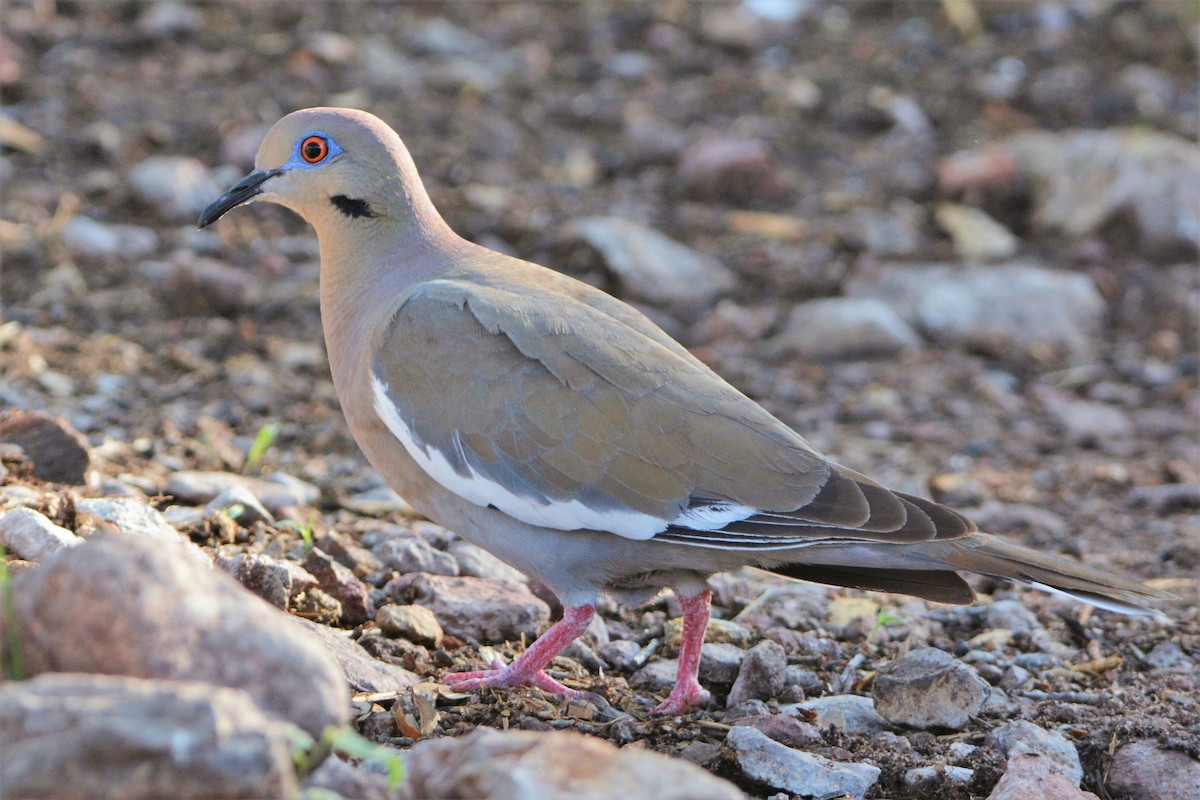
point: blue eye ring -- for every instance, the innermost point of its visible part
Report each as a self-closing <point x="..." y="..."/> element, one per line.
<point x="312" y="150"/>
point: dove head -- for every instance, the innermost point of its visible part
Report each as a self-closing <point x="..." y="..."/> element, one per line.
<point x="337" y="168"/>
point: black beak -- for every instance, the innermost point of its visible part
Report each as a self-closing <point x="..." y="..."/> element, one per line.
<point x="239" y="193"/>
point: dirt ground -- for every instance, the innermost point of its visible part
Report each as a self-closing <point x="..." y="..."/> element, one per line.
<point x="525" y="116"/>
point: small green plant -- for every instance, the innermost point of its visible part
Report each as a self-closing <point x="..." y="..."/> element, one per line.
<point x="263" y="440"/>
<point x="308" y="754"/>
<point x="12" y="666"/>
<point x="305" y="529"/>
<point x="883" y="617"/>
<point x="234" y="511"/>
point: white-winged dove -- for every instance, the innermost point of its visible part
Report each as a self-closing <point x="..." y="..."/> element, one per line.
<point x="559" y="428"/>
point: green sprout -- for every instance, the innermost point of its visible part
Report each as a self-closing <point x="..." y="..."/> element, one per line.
<point x="263" y="440"/>
<point x="12" y="666"/>
<point x="308" y="754"/>
<point x="883" y="617"/>
<point x="305" y="529"/>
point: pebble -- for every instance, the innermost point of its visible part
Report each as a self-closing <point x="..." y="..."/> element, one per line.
<point x="976" y="236"/>
<point x="1020" y="737"/>
<point x="32" y="536"/>
<point x="886" y="234"/>
<point x="479" y="609"/>
<point x="241" y="505"/>
<point x="920" y="776"/>
<point x="1167" y="498"/>
<point x="788" y="731"/>
<point x="762" y="759"/>
<point x="190" y="284"/>
<point x="125" y="604"/>
<point x="275" y="580"/>
<point x="377" y="502"/>
<point x="1011" y="615"/>
<point x="130" y="738"/>
<point x="360" y="669"/>
<point x="838" y="328"/>
<point x="763" y="674"/>
<point x="657" y="676"/>
<point x="279" y="492"/>
<point x="740" y="171"/>
<point x="851" y="713"/>
<point x="1087" y="423"/>
<point x="339" y="582"/>
<point x="361" y="561"/>
<point x="475" y="562"/>
<point x="59" y="452"/>
<point x="406" y="554"/>
<point x="653" y="268"/>
<point x="132" y="515"/>
<point x="1029" y="777"/>
<point x="491" y="765"/>
<point x="720" y="663"/>
<point x="89" y="240"/>
<point x="928" y="688"/>
<point x="177" y="187"/>
<point x="1146" y="771"/>
<point x="721" y="631"/>
<point x="415" y="623"/>
<point x="1009" y="310"/>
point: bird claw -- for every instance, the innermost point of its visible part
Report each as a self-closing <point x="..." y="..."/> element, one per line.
<point x="683" y="698"/>
<point x="507" y="678"/>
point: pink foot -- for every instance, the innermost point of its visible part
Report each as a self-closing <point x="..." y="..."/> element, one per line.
<point x="688" y="692"/>
<point x="686" y="695"/>
<point x="528" y="668"/>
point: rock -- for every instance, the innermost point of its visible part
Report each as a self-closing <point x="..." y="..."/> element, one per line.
<point x="720" y="663"/>
<point x="1007" y="310"/>
<point x="415" y="623"/>
<point x="83" y="736"/>
<point x="487" y="611"/>
<point x="1145" y="771"/>
<point x="928" y="688"/>
<point x="167" y="18"/>
<point x="340" y="583"/>
<point x="620" y="654"/>
<point x="976" y="236"/>
<point x="362" y="781"/>
<point x="739" y="171"/>
<point x="1166" y="498"/>
<point x="1087" y="423"/>
<point x="359" y="668"/>
<point x="241" y="504"/>
<point x="59" y="452"/>
<point x="851" y="712"/>
<point x="780" y="767"/>
<point x="1030" y="777"/>
<point x="176" y="187"/>
<point x="787" y="731"/>
<point x="763" y="674"/>
<point x="886" y="234"/>
<point x="837" y="328"/>
<point x="275" y="580"/>
<point x="89" y="240"/>
<point x="377" y="502"/>
<point x="930" y="777"/>
<point x="657" y="676"/>
<point x="32" y="536"/>
<point x="1020" y="738"/>
<point x="475" y="562"/>
<point x="132" y="515"/>
<point x="406" y="554"/>
<point x="720" y="631"/>
<point x="1011" y="615"/>
<point x="123" y="604"/>
<point x="361" y="561"/>
<point x="653" y="268"/>
<point x="490" y="765"/>
<point x="193" y="285"/>
<point x="278" y="492"/>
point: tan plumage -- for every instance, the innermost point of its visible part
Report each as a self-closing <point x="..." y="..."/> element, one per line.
<point x="561" y="429"/>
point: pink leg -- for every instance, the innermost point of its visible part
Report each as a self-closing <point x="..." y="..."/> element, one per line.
<point x="688" y="691"/>
<point x="526" y="669"/>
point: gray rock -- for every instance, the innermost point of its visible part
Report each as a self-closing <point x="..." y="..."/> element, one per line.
<point x="89" y="240"/>
<point x="32" y="536"/>
<point x="1013" y="615"/>
<point x="1014" y="677"/>
<point x="1145" y="771"/>
<point x="82" y="736"/>
<point x="415" y="623"/>
<point x="360" y="781"/>
<point x="407" y="554"/>
<point x="1166" y="498"/>
<point x="720" y="663"/>
<point x="132" y="515"/>
<point x="787" y="731"/>
<point x="928" y="688"/>
<point x="976" y="236"/>
<point x="657" y="676"/>
<point x="278" y="492"/>
<point x="1030" y="777"/>
<point x="723" y="168"/>
<point x="1087" y="423"/>
<point x="241" y="504"/>
<point x="176" y="187"/>
<point x="763" y="674"/>
<point x="886" y="234"/>
<point x="1019" y="738"/>
<point x="377" y="502"/>
<point x="1011" y="309"/>
<point x="490" y="765"/>
<point x="851" y="712"/>
<point x="930" y="776"/>
<point x="169" y="18"/>
<point x="654" y="268"/>
<point x="123" y="604"/>
<point x="360" y="669"/>
<point x="191" y="284"/>
<point x="475" y="562"/>
<point x="486" y="611"/>
<point x="620" y="654"/>
<point x="275" y="580"/>
<point x="59" y="452"/>
<point x="340" y="583"/>
<point x="762" y="759"/>
<point x="843" y="328"/>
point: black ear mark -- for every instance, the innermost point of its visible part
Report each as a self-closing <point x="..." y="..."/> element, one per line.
<point x="352" y="207"/>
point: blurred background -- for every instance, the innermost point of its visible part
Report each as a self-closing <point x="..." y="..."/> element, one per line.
<point x="953" y="243"/>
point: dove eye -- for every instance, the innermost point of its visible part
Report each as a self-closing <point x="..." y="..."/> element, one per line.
<point x="314" y="149"/>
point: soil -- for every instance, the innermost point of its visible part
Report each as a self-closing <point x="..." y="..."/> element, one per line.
<point x="518" y="115"/>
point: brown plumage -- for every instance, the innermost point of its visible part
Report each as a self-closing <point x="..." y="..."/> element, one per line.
<point x="562" y="430"/>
